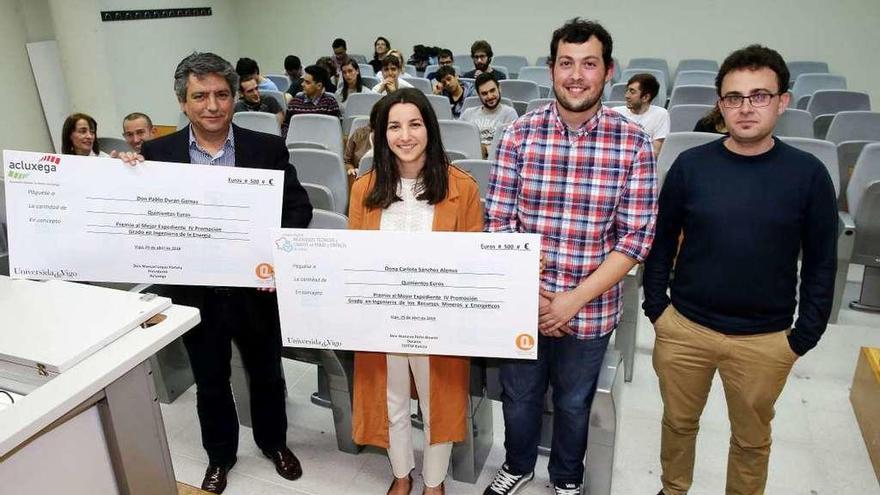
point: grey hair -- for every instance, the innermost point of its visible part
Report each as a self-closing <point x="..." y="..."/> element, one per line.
<point x="201" y="64"/>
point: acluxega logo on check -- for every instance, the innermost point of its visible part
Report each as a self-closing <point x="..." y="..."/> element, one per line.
<point x="22" y="169"/>
<point x="284" y="244"/>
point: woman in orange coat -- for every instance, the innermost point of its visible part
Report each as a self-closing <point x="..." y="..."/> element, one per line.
<point x="412" y="187"/>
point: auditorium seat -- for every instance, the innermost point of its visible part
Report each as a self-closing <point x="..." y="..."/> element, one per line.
<point x="324" y="168"/>
<point x="807" y="84"/>
<point x="690" y="77"/>
<point x="693" y="95"/>
<point x="683" y="118"/>
<point x="512" y="62"/>
<point x="461" y="136"/>
<point x="320" y="196"/>
<point x="863" y="194"/>
<point x="258" y="121"/>
<point x="315" y="128"/>
<point x="794" y="123"/>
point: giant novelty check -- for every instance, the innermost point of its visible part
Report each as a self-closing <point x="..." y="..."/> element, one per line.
<point x="468" y="294"/>
<point x="97" y="219"/>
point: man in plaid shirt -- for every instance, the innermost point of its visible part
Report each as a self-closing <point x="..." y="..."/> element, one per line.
<point x="583" y="177"/>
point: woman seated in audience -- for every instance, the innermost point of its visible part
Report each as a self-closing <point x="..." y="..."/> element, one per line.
<point x="711" y="122"/>
<point x="380" y="49"/>
<point x="351" y="81"/>
<point x="79" y="136"/>
<point x="412" y="187"/>
<point x="359" y="144"/>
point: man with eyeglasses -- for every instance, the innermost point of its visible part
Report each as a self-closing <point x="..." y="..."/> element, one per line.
<point x="748" y="205"/>
<point x="481" y="54"/>
<point x="444" y="58"/>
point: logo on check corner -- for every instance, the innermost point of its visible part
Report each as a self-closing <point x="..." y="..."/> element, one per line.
<point x="525" y="342"/>
<point x="264" y="271"/>
<point x="22" y="169"/>
<point x="284" y="244"/>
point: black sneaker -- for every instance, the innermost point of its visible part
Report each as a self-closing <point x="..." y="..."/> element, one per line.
<point x="506" y="483"/>
<point x="567" y="489"/>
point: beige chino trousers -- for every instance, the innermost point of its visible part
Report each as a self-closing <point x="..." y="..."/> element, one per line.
<point x="753" y="370"/>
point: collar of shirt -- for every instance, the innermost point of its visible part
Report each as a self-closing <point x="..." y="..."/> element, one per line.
<point x="315" y="100"/>
<point x="226" y="155"/>
<point x="584" y="129"/>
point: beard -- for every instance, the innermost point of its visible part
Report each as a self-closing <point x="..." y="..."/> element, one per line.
<point x="588" y="103"/>
<point x="494" y="105"/>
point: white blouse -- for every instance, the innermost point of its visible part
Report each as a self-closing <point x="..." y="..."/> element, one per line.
<point x="409" y="215"/>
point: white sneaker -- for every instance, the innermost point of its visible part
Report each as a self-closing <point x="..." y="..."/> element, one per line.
<point x="506" y="483"/>
<point x="567" y="489"/>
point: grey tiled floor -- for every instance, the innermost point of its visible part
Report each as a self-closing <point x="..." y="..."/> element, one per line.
<point x="817" y="447"/>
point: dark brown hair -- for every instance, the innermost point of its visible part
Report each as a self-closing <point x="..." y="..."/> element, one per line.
<point x="433" y="179"/>
<point x="68" y="128"/>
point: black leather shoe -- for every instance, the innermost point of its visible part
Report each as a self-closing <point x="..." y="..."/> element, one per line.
<point x="286" y="464"/>
<point x="215" y="477"/>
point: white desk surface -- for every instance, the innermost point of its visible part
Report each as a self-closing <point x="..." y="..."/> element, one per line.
<point x="62" y="393"/>
<point x="57" y="324"/>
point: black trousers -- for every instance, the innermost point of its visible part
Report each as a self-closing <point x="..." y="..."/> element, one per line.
<point x="250" y="318"/>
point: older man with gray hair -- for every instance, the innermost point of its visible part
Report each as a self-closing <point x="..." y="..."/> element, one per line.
<point x="205" y="85"/>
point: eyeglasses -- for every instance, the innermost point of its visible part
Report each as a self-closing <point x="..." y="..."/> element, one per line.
<point x="761" y="99"/>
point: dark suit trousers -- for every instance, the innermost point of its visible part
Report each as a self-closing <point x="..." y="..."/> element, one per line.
<point x="250" y="318"/>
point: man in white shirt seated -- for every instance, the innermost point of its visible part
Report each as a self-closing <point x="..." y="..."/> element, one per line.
<point x="391" y="80"/>
<point x="491" y="113"/>
<point x="641" y="89"/>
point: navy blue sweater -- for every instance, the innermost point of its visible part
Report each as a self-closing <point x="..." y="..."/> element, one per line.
<point x="745" y="220"/>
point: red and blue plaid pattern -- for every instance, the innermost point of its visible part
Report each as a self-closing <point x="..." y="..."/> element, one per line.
<point x="587" y="191"/>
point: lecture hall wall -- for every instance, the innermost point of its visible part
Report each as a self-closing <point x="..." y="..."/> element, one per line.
<point x="113" y="68"/>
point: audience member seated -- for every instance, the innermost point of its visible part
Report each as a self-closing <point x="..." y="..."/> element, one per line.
<point x="399" y="55"/>
<point x="491" y="113"/>
<point x="449" y="85"/>
<point x="641" y="89"/>
<point x="481" y="53"/>
<point x="246" y="67"/>
<point x="359" y="144"/>
<point x="340" y="54"/>
<point x="713" y="122"/>
<point x="380" y="50"/>
<point x="251" y="101"/>
<point x="351" y="81"/>
<point x="293" y="68"/>
<point x="79" y="136"/>
<point x="390" y="80"/>
<point x="329" y="66"/>
<point x="136" y="128"/>
<point x="313" y="98"/>
<point x="444" y="57"/>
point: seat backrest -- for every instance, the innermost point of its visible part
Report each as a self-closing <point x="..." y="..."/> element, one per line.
<point x="421" y="84"/>
<point x="618" y="91"/>
<point x="691" y="77"/>
<point x="282" y="82"/>
<point x="258" y="121"/>
<point x="306" y="145"/>
<point x="358" y="122"/>
<point x="658" y="64"/>
<point x="277" y="95"/>
<point x="365" y="164"/>
<point x="519" y="90"/>
<point x="854" y="126"/>
<point x="461" y="136"/>
<point x="674" y="144"/>
<point x="825" y="101"/>
<point x="794" y="123"/>
<point x="360" y="103"/>
<point x="538" y="102"/>
<point x="823" y="150"/>
<point x="798" y="67"/>
<point x="683" y="118"/>
<point x="324" y="168"/>
<point x="322" y="219"/>
<point x="366" y="70"/>
<point x="324" y="129"/>
<point x="479" y="169"/>
<point x="411" y="70"/>
<point x="538" y="74"/>
<point x="108" y="144"/>
<point x="701" y="64"/>
<point x="807" y="84"/>
<point x="474" y="101"/>
<point x="613" y="103"/>
<point x="693" y="95"/>
<point x="441" y="106"/>
<point x="542" y="61"/>
<point x="501" y="68"/>
<point x="512" y="62"/>
<point x="369" y="81"/>
<point x="320" y="196"/>
<point x="465" y="62"/>
<point x="866" y="171"/>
